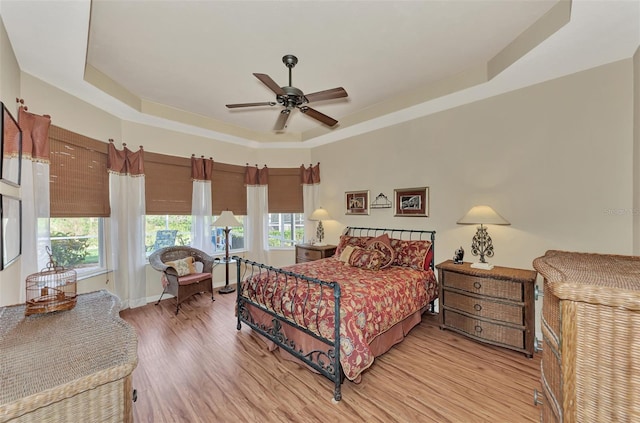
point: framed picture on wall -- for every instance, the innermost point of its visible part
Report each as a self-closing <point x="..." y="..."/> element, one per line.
<point x="357" y="202"/>
<point x="11" y="148"/>
<point x="412" y="202"/>
<point x="10" y="230"/>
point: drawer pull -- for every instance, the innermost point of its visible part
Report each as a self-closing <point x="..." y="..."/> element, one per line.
<point x="537" y="293"/>
<point x="536" y="397"/>
<point x="478" y="329"/>
<point x="477" y="285"/>
<point x="537" y="345"/>
<point x="477" y="307"/>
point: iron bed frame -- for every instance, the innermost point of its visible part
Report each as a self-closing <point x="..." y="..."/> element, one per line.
<point x="326" y="362"/>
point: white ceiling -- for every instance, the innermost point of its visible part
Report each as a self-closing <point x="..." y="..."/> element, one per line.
<point x="175" y="64"/>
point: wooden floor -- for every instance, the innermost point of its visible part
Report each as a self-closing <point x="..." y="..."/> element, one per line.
<point x="196" y="367"/>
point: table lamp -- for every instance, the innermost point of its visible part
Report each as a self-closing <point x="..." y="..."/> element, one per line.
<point x="482" y="244"/>
<point x="319" y="215"/>
<point x="228" y="221"/>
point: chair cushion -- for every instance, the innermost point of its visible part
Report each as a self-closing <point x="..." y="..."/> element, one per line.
<point x="183" y="266"/>
<point x="193" y="278"/>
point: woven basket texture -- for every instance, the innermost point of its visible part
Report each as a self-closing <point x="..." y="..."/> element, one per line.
<point x="591" y="325"/>
<point x="67" y="366"/>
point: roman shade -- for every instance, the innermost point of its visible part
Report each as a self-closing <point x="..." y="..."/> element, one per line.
<point x="228" y="191"/>
<point x="168" y="185"/>
<point x="285" y="190"/>
<point x="78" y="179"/>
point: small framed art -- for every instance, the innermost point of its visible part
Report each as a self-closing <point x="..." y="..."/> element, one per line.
<point x="357" y="202"/>
<point x="412" y="202"/>
<point x="10" y="230"/>
<point x="11" y="148"/>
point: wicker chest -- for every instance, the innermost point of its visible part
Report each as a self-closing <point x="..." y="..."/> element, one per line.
<point x="67" y="366"/>
<point x="590" y="368"/>
<point x="492" y="306"/>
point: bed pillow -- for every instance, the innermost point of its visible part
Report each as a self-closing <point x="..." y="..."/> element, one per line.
<point x="365" y="258"/>
<point x="345" y="254"/>
<point x="382" y="243"/>
<point x="183" y="266"/>
<point x="354" y="241"/>
<point x="414" y="254"/>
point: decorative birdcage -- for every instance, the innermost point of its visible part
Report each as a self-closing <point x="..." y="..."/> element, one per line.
<point x="52" y="289"/>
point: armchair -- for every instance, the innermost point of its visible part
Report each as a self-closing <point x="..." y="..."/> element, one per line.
<point x="181" y="282"/>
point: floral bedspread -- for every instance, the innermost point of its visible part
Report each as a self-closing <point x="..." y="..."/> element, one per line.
<point x="371" y="303"/>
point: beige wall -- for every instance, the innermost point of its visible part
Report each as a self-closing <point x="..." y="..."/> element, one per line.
<point x="9" y="91"/>
<point x="554" y="159"/>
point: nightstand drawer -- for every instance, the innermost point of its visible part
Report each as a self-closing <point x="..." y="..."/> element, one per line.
<point x="480" y="307"/>
<point x="304" y="254"/>
<point x="490" y="331"/>
<point x="497" y="288"/>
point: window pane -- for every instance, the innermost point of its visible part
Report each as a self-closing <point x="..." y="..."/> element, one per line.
<point x="286" y="229"/>
<point x="166" y="231"/>
<point x="236" y="237"/>
<point x="77" y="243"/>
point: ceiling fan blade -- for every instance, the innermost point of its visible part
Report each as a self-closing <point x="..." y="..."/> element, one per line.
<point x="326" y="94"/>
<point x="264" y="103"/>
<point x="318" y="116"/>
<point x="282" y="120"/>
<point x="266" y="80"/>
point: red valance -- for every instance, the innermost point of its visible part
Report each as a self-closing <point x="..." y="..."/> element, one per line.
<point x="310" y="175"/>
<point x="125" y="161"/>
<point x="201" y="168"/>
<point x="35" y="135"/>
<point x="256" y="176"/>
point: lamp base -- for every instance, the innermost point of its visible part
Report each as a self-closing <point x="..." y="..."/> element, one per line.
<point x="485" y="266"/>
<point x="227" y="289"/>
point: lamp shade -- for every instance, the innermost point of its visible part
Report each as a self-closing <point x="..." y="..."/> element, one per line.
<point x="482" y="215"/>
<point x="226" y="219"/>
<point x="320" y="214"/>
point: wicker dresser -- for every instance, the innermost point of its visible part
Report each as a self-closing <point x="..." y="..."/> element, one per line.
<point x="67" y="366"/>
<point x="493" y="306"/>
<point x="590" y="369"/>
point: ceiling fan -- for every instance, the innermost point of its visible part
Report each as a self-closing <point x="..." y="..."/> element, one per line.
<point x="291" y="97"/>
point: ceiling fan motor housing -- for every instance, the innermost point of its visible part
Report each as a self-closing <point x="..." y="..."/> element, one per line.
<point x="294" y="97"/>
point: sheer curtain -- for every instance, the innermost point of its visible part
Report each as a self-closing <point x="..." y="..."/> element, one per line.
<point x="126" y="197"/>
<point x="35" y="194"/>
<point x="310" y="179"/>
<point x="201" y="212"/>
<point x="257" y="212"/>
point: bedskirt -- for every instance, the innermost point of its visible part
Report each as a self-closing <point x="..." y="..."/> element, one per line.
<point x="379" y="345"/>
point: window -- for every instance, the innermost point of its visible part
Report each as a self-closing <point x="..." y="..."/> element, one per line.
<point x="78" y="243"/>
<point x="285" y="229"/>
<point x="236" y="236"/>
<point x="166" y="231"/>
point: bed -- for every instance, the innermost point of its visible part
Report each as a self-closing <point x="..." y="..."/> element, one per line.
<point x="335" y="315"/>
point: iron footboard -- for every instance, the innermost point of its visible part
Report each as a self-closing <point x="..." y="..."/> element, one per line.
<point x="324" y="361"/>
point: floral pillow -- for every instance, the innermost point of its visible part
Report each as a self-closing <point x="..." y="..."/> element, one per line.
<point x="365" y="258"/>
<point x="345" y="254"/>
<point x="183" y="266"/>
<point x="354" y="241"/>
<point x="382" y="243"/>
<point x="413" y="254"/>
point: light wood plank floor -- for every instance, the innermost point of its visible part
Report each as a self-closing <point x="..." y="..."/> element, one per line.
<point x="196" y="367"/>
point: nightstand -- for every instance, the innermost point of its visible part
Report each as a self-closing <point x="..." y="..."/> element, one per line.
<point x="308" y="252"/>
<point x="491" y="306"/>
